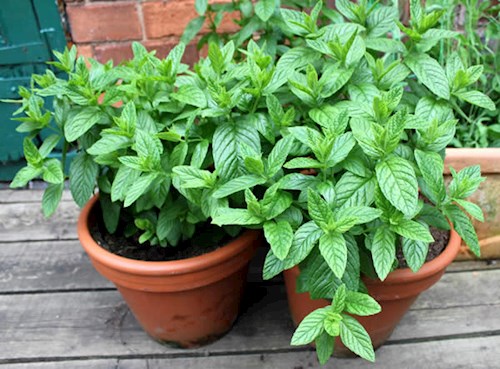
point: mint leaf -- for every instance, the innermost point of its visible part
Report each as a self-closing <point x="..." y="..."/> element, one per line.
<point x="383" y="250"/>
<point x="465" y="182"/>
<point x="355" y="337"/>
<point x="310" y="328"/>
<point x="237" y="184"/>
<point x="278" y="155"/>
<point x="318" y="209"/>
<point x="51" y="198"/>
<point x="265" y="9"/>
<point x="304" y="240"/>
<point x="361" y="304"/>
<point x="109" y="143"/>
<point x="431" y="166"/>
<point x="324" y="347"/>
<point x="477" y="98"/>
<point x="297" y="58"/>
<point x="333" y="248"/>
<point x="471" y="208"/>
<point x="24" y="175"/>
<point x="464" y="228"/>
<point x="227" y="143"/>
<point x="352" y="190"/>
<point x="199" y="154"/>
<point x="301" y="163"/>
<point x="52" y="171"/>
<point x="415" y="253"/>
<point x="190" y="177"/>
<point x="82" y="173"/>
<point x="342" y="146"/>
<point x="429" y="73"/>
<point x="398" y="183"/>
<point x="191" y="95"/>
<point x="412" y="230"/>
<point x="139" y="187"/>
<point x="280" y="237"/>
<point x="272" y="266"/>
<point x="235" y="217"/>
<point x="80" y="122"/>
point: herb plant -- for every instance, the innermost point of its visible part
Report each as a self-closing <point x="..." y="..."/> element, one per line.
<point x="354" y="127"/>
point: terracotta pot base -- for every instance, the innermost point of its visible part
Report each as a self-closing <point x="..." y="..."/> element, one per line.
<point x="186" y="303"/>
<point x="396" y="294"/>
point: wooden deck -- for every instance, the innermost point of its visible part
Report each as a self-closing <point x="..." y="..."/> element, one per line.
<point x="57" y="312"/>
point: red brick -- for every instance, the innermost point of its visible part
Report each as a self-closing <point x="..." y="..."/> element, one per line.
<point x="85" y="50"/>
<point x="163" y="19"/>
<point x="162" y="48"/>
<point x="104" y="22"/>
<point x="113" y="51"/>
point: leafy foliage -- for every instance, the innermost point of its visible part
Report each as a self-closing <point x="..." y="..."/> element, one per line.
<point x="321" y="132"/>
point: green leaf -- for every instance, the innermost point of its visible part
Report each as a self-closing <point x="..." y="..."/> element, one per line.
<point x="342" y="146"/>
<point x="275" y="202"/>
<point x="431" y="166"/>
<point x="199" y="154"/>
<point x="265" y="9"/>
<point x="82" y="173"/>
<point x="301" y="163"/>
<point x="235" y="217"/>
<point x="190" y="177"/>
<point x="278" y="155"/>
<point x="33" y="157"/>
<point x="398" y="183"/>
<point x="360" y="214"/>
<point x="412" y="230"/>
<point x="124" y="178"/>
<point x="429" y="73"/>
<point x="227" y="146"/>
<point x="353" y="190"/>
<point x="385" y="45"/>
<point x="465" y="182"/>
<point x="297" y="58"/>
<point x="477" y="98"/>
<point x="356" y="339"/>
<point x="138" y="188"/>
<point x="324" y="347"/>
<point x="338" y="301"/>
<point x="431" y="215"/>
<point x="24" y="175"/>
<point x="471" y="208"/>
<point x="297" y="181"/>
<point x="318" y="208"/>
<point x="280" y="237"/>
<point x="110" y="212"/>
<point x="383" y="251"/>
<point x="79" y="123"/>
<point x="238" y="184"/>
<point x="333" y="248"/>
<point x="193" y="27"/>
<point x="464" y="228"/>
<point x="303" y="242"/>
<point x="109" y="143"/>
<point x="51" y="198"/>
<point x="52" y="171"/>
<point x="49" y="144"/>
<point x="191" y="95"/>
<point x="332" y="323"/>
<point x="361" y="304"/>
<point x="201" y="6"/>
<point x="310" y="328"/>
<point x="415" y="253"/>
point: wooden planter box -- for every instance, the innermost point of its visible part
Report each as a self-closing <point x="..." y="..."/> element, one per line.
<point x="487" y="197"/>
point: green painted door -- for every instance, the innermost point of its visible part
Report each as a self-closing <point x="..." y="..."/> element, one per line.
<point x="29" y="30"/>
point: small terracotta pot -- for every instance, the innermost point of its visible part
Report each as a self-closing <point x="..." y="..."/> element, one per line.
<point x="186" y="302"/>
<point x="395" y="294"/>
<point x="486" y="197"/>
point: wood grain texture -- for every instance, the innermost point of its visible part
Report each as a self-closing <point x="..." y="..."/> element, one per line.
<point x="25" y="222"/>
<point x="98" y="324"/>
<point x="27" y="196"/>
<point x="477" y="353"/>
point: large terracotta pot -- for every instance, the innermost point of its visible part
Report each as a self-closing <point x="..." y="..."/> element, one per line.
<point x="487" y="197"/>
<point x="395" y="294"/>
<point x="186" y="302"/>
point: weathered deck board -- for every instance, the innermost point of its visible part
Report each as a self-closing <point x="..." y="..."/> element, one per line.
<point x="480" y="353"/>
<point x="25" y="196"/>
<point x="25" y="222"/>
<point x="98" y="324"/>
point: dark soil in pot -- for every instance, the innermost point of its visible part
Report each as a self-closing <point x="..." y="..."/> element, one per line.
<point x="441" y="239"/>
<point x="207" y="238"/>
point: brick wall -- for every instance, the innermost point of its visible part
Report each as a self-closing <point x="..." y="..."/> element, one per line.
<point x="106" y="29"/>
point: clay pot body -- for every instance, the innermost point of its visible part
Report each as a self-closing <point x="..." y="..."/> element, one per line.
<point x="395" y="294"/>
<point x="186" y="302"/>
<point x="486" y="197"/>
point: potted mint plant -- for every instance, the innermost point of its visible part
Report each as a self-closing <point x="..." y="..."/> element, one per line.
<point x="348" y="183"/>
<point x="134" y="128"/>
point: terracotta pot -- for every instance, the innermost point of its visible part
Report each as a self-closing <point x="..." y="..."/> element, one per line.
<point x="395" y="294"/>
<point x="186" y="302"/>
<point x="486" y="197"/>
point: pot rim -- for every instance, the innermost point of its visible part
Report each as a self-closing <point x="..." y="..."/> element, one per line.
<point x="157" y="268"/>
<point x="459" y="158"/>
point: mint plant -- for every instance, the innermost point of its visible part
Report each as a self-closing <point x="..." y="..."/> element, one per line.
<point x="355" y="138"/>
